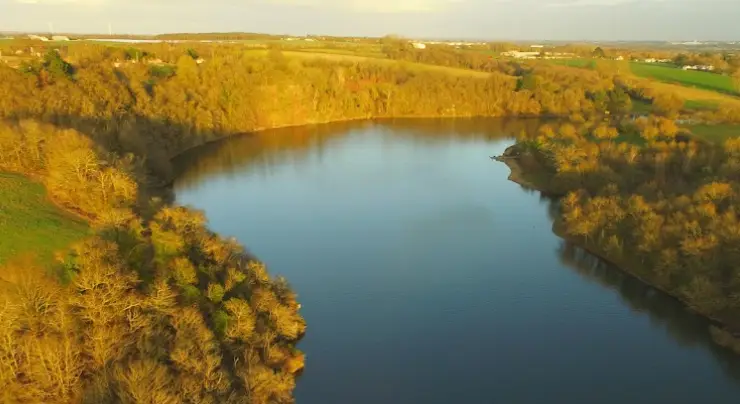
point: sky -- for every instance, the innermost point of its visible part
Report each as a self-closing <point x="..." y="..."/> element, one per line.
<point x="480" y="19"/>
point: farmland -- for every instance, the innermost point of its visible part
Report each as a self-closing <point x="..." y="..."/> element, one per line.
<point x="688" y="78"/>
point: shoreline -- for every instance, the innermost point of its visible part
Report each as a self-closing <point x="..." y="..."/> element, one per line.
<point x="168" y="182"/>
<point x="518" y="175"/>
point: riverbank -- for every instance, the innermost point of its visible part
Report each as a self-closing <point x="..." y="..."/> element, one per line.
<point x="725" y="329"/>
<point x="158" y="182"/>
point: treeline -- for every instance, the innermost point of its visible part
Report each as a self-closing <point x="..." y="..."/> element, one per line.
<point x="445" y="55"/>
<point x="154" y="310"/>
<point x="723" y="62"/>
<point x="651" y="200"/>
<point x="156" y="111"/>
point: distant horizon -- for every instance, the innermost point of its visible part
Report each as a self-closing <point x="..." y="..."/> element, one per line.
<point x="449" y="38"/>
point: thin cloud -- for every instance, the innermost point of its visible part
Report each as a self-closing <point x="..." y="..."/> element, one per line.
<point x="373" y="6"/>
<point x="367" y="6"/>
<point x="57" y="2"/>
<point x="600" y="3"/>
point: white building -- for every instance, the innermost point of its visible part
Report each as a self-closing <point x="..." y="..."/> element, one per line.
<point x="521" y="55"/>
<point x="419" y="45"/>
<point x="38" y="38"/>
<point x="59" y="38"/>
<point x="705" y="68"/>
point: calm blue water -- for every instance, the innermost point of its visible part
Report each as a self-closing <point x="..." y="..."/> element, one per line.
<point x="427" y="277"/>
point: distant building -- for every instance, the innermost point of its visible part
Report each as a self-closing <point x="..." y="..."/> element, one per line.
<point x="537" y="46"/>
<point x="59" y="38"/>
<point x="619" y="58"/>
<point x="419" y="45"/>
<point x="705" y="68"/>
<point x="38" y="38"/>
<point x="522" y="55"/>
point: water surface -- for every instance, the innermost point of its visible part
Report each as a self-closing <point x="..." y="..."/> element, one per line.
<point x="427" y="277"/>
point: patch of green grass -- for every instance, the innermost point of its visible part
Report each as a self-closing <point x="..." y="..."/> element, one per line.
<point x="714" y="133"/>
<point x="688" y="78"/>
<point x="30" y="223"/>
<point x="363" y="52"/>
<point x="641" y="107"/>
<point x="582" y="63"/>
<point x="631" y="137"/>
<point x="701" y="105"/>
<point x="380" y="61"/>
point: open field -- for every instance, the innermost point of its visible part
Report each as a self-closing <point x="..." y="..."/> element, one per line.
<point x="696" y="98"/>
<point x="689" y="78"/>
<point x="356" y="58"/>
<point x="367" y="51"/>
<point x="30" y="223"/>
<point x="583" y="63"/>
<point x="714" y="133"/>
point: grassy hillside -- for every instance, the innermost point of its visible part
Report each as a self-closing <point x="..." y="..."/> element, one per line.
<point x="689" y="78"/>
<point x="584" y="63"/>
<point x="696" y="98"/>
<point x="30" y="222"/>
<point x="334" y="56"/>
<point x="714" y="133"/>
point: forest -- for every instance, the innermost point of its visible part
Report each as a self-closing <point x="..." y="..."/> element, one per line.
<point x="154" y="307"/>
<point x="151" y="308"/>
<point x="156" y="110"/>
<point x="657" y="204"/>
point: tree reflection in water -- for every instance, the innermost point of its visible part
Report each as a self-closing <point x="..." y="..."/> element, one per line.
<point x="271" y="148"/>
<point x="686" y="328"/>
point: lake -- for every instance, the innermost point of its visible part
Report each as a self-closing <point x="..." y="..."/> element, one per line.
<point x="427" y="277"/>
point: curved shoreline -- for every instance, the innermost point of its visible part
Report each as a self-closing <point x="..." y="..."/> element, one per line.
<point x="518" y="175"/>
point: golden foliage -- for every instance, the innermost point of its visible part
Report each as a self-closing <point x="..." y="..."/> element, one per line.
<point x="668" y="215"/>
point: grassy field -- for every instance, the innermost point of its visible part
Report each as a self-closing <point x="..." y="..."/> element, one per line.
<point x="714" y="133"/>
<point x="688" y="78"/>
<point x="696" y="98"/>
<point x="364" y="52"/>
<point x="584" y="63"/>
<point x="32" y="224"/>
<point x="356" y="58"/>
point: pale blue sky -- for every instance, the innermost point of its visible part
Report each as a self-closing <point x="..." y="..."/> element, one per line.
<point x="487" y="19"/>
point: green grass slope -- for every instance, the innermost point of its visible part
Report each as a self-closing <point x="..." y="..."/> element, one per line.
<point x="714" y="133"/>
<point x="30" y="223"/>
<point x="689" y="78"/>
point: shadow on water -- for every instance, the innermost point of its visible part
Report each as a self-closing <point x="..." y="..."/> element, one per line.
<point x="665" y="312"/>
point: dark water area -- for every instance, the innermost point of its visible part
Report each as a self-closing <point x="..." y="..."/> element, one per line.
<point x="427" y="277"/>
